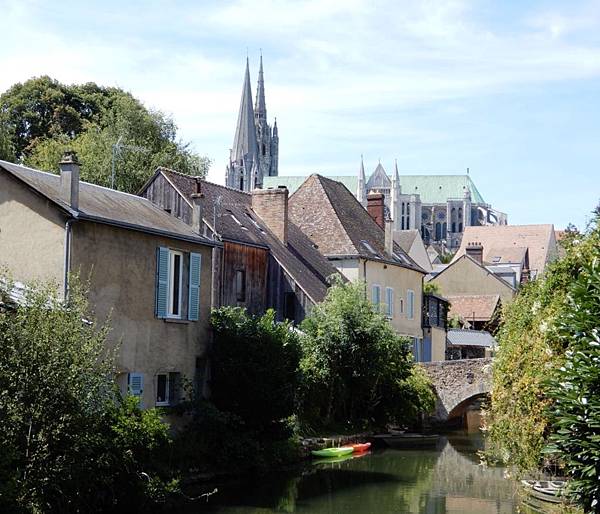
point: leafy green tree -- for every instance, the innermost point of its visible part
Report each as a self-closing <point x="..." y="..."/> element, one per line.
<point x="254" y="369"/>
<point x="355" y="368"/>
<point x="42" y="118"/>
<point x="68" y="442"/>
<point x="575" y="387"/>
<point x="431" y="288"/>
<point x="530" y="351"/>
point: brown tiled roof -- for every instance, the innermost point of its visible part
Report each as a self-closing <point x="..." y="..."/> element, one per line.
<point x="332" y="217"/>
<point x="538" y="239"/>
<point x="477" y="307"/>
<point x="299" y="258"/>
<point x="105" y="205"/>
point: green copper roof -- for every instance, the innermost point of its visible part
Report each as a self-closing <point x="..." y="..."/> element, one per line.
<point x="432" y="188"/>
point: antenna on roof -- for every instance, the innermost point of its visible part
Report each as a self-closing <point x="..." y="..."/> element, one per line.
<point x="467" y="171"/>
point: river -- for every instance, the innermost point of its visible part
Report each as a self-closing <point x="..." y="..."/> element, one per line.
<point x="447" y="479"/>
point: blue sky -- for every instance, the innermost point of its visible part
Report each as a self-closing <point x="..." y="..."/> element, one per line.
<point x="508" y="89"/>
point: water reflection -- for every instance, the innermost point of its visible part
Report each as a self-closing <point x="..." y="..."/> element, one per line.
<point x="447" y="479"/>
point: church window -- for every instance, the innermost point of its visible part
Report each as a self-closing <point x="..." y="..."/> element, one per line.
<point x="438" y="231"/>
<point x="241" y="183"/>
<point x="444" y="229"/>
<point x="459" y="214"/>
<point x="264" y="149"/>
<point x="454" y="226"/>
<point x="460" y="227"/>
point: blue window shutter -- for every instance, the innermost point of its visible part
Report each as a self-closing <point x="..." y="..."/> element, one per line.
<point x="194" y="298"/>
<point x="136" y="384"/>
<point x="162" y="281"/>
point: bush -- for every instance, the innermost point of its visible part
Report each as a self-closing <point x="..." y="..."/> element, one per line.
<point x="255" y="370"/>
<point x="531" y="349"/>
<point x="575" y="387"/>
<point x="67" y="441"/>
<point x="355" y="368"/>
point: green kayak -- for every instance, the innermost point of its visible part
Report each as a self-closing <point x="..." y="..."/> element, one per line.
<point x="333" y="452"/>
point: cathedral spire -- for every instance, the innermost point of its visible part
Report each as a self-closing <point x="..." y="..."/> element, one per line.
<point x="361" y="189"/>
<point x="244" y="143"/>
<point x="260" y="108"/>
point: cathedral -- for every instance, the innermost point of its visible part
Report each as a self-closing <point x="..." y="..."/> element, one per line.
<point x="255" y="151"/>
<point x="439" y="206"/>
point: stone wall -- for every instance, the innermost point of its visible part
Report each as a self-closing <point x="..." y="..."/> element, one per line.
<point x="457" y="383"/>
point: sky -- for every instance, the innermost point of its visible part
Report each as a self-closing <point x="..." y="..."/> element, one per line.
<point x="507" y="89"/>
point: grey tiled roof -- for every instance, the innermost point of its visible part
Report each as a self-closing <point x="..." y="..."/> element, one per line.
<point x="405" y="238"/>
<point x="379" y="179"/>
<point x="460" y="337"/>
<point x="300" y="258"/>
<point x="105" y="205"/>
<point x="332" y="217"/>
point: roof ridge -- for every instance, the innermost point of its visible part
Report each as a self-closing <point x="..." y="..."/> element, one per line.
<point x="162" y="168"/>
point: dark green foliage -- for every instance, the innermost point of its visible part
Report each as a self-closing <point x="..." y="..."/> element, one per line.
<point x="254" y="369"/>
<point x="355" y="368"/>
<point x="68" y="443"/>
<point x="575" y="387"/>
<point x="42" y="118"/>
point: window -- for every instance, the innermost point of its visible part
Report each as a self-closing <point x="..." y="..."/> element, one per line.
<point x="162" y="389"/>
<point x="175" y="279"/>
<point x="376" y="296"/>
<point x="289" y="308"/>
<point x="167" y="388"/>
<point x="171" y="298"/>
<point x="410" y="301"/>
<point x="401" y="305"/>
<point x="389" y="302"/>
<point x="240" y="285"/>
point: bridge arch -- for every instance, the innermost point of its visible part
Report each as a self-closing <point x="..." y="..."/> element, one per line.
<point x="458" y="384"/>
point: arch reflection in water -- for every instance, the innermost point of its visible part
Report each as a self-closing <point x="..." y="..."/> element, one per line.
<point x="447" y="479"/>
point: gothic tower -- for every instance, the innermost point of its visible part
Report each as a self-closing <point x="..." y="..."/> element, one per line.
<point x="255" y="152"/>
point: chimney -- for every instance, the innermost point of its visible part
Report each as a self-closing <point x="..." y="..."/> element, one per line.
<point x="375" y="207"/>
<point x="389" y="237"/>
<point x="475" y="251"/>
<point x="272" y="207"/>
<point x="69" y="179"/>
<point x="197" y="200"/>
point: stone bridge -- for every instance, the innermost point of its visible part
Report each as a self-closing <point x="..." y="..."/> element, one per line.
<point x="458" y="384"/>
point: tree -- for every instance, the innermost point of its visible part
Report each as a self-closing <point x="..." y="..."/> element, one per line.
<point x="42" y="118"/>
<point x="254" y="369"/>
<point x="530" y="350"/>
<point x="575" y="387"/>
<point x="355" y="368"/>
<point x="68" y="442"/>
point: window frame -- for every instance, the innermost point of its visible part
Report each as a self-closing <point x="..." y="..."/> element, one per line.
<point x="240" y="280"/>
<point x="171" y="282"/>
<point x="165" y="402"/>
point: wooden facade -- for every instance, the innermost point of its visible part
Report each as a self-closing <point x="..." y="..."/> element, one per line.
<point x="244" y="276"/>
<point x="162" y="193"/>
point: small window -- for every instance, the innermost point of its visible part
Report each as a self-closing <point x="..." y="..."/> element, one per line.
<point x="368" y="247"/>
<point x="389" y="302"/>
<point x="240" y="285"/>
<point x="401" y="306"/>
<point x="175" y="279"/>
<point x="410" y="300"/>
<point x="376" y="297"/>
<point x="162" y="389"/>
<point x="289" y="308"/>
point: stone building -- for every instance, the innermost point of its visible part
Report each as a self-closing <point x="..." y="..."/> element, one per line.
<point x="255" y="152"/>
<point x="439" y="206"/>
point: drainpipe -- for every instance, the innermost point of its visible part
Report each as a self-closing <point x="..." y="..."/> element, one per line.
<point x="365" y="276"/>
<point x="67" y="262"/>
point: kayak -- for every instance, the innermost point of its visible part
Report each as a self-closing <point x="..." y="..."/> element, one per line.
<point x="360" y="447"/>
<point x="333" y="452"/>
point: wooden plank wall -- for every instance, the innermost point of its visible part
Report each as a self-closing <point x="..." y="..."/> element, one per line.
<point x="160" y="192"/>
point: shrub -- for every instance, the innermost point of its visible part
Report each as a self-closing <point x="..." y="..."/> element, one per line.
<point x="255" y="369"/>
<point x="575" y="387"/>
<point x="67" y="441"/>
<point x="355" y="368"/>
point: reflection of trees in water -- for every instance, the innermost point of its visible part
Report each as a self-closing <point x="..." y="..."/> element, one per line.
<point x="420" y="481"/>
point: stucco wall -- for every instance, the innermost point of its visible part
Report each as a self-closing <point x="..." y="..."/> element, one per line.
<point x="121" y="266"/>
<point x="438" y="343"/>
<point x="466" y="277"/>
<point x="401" y="280"/>
<point x="32" y="233"/>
